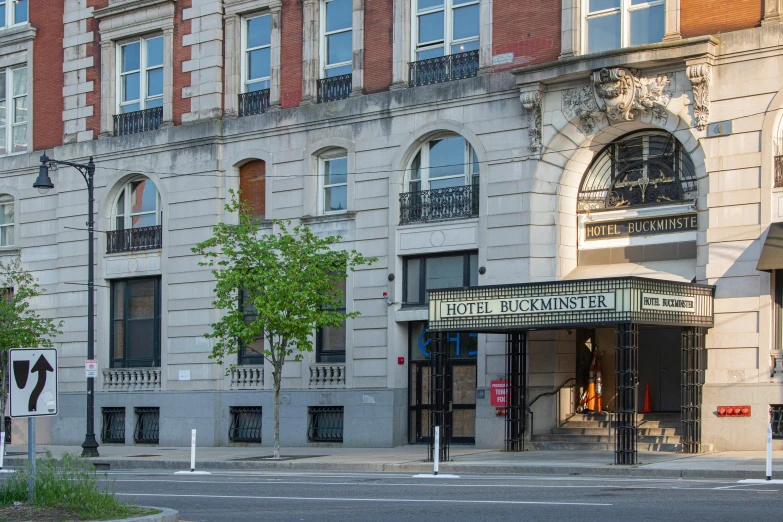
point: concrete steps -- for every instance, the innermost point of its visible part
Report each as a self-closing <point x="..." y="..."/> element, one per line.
<point x="657" y="432"/>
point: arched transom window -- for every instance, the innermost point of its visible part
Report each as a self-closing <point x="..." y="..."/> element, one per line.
<point x="444" y="162"/>
<point x="138" y="205"/>
<point x="643" y="168"/>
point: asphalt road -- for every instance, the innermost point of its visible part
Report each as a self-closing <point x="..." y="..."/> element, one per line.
<point x="300" y="496"/>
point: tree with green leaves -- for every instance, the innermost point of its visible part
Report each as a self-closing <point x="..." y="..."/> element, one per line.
<point x="288" y="278"/>
<point x="20" y="325"/>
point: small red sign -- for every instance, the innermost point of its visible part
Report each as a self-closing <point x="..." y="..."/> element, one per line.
<point x="733" y="411"/>
<point x="498" y="393"/>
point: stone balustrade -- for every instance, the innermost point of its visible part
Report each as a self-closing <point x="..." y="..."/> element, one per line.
<point x="327" y="375"/>
<point x="121" y="379"/>
<point x="777" y="365"/>
<point x="247" y="377"/>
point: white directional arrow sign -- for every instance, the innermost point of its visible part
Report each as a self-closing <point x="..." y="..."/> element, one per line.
<point x="33" y="383"/>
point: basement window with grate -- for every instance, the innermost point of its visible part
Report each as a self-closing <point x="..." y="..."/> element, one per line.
<point x="776" y="418"/>
<point x="245" y="424"/>
<point x="113" y="429"/>
<point x="326" y="424"/>
<point x="147" y="425"/>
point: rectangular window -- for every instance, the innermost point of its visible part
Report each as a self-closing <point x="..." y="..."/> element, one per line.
<point x="13" y="12"/>
<point x="256" y="54"/>
<point x="135" y="323"/>
<point x="6" y="220"/>
<point x="330" y="341"/>
<point x="444" y="27"/>
<point x="334" y="175"/>
<point x="245" y="424"/>
<point x="424" y="273"/>
<point x="13" y="110"/>
<point x="337" y="41"/>
<point x="611" y="24"/>
<point x="113" y="429"/>
<point x="326" y="424"/>
<point x="252" y="353"/>
<point x="147" y="425"/>
<point x="140" y="80"/>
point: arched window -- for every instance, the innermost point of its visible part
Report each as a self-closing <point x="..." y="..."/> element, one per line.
<point x="6" y="220"/>
<point x="138" y="205"/>
<point x="252" y="183"/>
<point x="643" y="168"/>
<point x="443" y="162"/>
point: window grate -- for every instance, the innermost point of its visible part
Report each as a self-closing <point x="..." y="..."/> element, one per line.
<point x="147" y="425"/>
<point x="776" y="416"/>
<point x="134" y="239"/>
<point x="334" y="88"/>
<point x="113" y="430"/>
<point x="326" y="424"/>
<point x="444" y="69"/>
<point x="7" y="430"/>
<point x="439" y="204"/>
<point x="253" y="102"/>
<point x="138" y="121"/>
<point x="245" y="424"/>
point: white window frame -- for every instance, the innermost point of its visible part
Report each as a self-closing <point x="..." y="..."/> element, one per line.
<point x="10" y="12"/>
<point x="325" y="65"/>
<point x="5" y="200"/>
<point x="127" y="215"/>
<point x="448" y="8"/>
<point x="625" y="10"/>
<point x="10" y="100"/>
<point x="143" y="71"/>
<point x="245" y="67"/>
<point x="322" y="159"/>
<point x="424" y="179"/>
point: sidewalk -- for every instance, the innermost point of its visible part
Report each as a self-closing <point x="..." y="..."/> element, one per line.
<point x="411" y="459"/>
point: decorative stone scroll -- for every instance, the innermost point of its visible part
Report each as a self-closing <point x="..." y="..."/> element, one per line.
<point x="532" y="102"/>
<point x="620" y="95"/>
<point x="700" y="76"/>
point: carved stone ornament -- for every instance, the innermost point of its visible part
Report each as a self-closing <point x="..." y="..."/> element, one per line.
<point x="620" y="95"/>
<point x="532" y="101"/>
<point x="701" y="77"/>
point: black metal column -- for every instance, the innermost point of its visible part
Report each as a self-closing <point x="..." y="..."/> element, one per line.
<point x="692" y="381"/>
<point x="627" y="381"/>
<point x="516" y="394"/>
<point x="440" y="396"/>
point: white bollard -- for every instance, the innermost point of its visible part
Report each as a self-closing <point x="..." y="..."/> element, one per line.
<point x="193" y="451"/>
<point x="769" y="451"/>
<point x="2" y="449"/>
<point x="436" y="454"/>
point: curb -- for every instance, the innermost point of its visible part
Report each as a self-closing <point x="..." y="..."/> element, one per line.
<point x="420" y="467"/>
<point x="165" y="515"/>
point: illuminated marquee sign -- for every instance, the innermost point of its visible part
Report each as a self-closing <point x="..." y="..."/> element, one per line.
<point x="650" y="226"/>
<point x="528" y="305"/>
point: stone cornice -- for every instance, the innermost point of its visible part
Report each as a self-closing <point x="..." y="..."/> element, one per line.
<point x="234" y="7"/>
<point x="126" y="6"/>
<point x="640" y="57"/>
<point x="17" y="35"/>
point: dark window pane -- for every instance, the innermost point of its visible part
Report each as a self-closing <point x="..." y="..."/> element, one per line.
<point x="119" y="340"/>
<point x="336" y="198"/>
<point x="155" y="51"/>
<point x="141" y="339"/>
<point x="600" y="5"/>
<point x="144" y="196"/>
<point x="254" y="349"/>
<point x="258" y="63"/>
<point x="339" y="71"/>
<point x="429" y="4"/>
<point x="131" y="87"/>
<point x="465" y="47"/>
<point x="130" y="57"/>
<point x="154" y="83"/>
<point x="435" y="52"/>
<point x="339" y="47"/>
<point x="413" y="272"/>
<point x="142" y="299"/>
<point x="473" y="279"/>
<point x="335" y="171"/>
<point x="445" y="272"/>
<point x="466" y="22"/>
<point x="447" y="157"/>
<point x="119" y="299"/>
<point x="431" y="27"/>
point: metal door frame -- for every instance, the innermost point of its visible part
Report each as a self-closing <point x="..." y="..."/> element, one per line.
<point x="516" y="392"/>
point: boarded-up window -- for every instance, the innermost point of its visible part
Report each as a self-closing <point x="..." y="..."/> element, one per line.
<point x="252" y="183"/>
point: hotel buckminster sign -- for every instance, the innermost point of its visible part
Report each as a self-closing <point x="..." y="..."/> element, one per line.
<point x="640" y="227"/>
<point x="528" y="305"/>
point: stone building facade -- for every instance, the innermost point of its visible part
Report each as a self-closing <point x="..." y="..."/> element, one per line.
<point x="464" y="143"/>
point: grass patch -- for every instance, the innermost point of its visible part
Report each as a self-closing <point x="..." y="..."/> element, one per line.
<point x="71" y="484"/>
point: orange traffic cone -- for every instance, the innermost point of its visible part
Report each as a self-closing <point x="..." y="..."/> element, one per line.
<point x="591" y="384"/>
<point x="647" y="403"/>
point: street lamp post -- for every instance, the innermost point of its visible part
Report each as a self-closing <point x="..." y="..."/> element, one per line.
<point x="44" y="184"/>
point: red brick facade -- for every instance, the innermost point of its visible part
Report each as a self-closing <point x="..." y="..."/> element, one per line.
<point x="182" y="27"/>
<point x="291" y="53"/>
<point x="701" y="17"/>
<point x="378" y="44"/>
<point x="47" y="84"/>
<point x="530" y="30"/>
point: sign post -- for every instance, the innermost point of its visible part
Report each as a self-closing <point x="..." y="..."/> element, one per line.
<point x="33" y="394"/>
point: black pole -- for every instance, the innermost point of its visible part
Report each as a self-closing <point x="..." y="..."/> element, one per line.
<point x="90" y="445"/>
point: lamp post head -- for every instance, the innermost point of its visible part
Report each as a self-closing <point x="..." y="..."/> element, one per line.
<point x="43" y="183"/>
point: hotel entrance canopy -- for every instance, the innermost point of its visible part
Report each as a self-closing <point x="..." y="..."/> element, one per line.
<point x="571" y="303"/>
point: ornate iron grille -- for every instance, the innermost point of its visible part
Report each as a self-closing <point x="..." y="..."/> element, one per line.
<point x="778" y="171"/>
<point x="138" y="121"/>
<point x="254" y="102"/>
<point x="627" y="380"/>
<point x="326" y="424"/>
<point x="147" y="425"/>
<point x="134" y="239"/>
<point x="776" y="417"/>
<point x="516" y="403"/>
<point x="7" y="428"/>
<point x="245" y="424"/>
<point x="113" y="429"/>
<point x="444" y="69"/>
<point x="440" y="396"/>
<point x="334" y="88"/>
<point x="439" y="204"/>
<point x="692" y="380"/>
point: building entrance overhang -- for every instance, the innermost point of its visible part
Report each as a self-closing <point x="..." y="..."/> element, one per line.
<point x="570" y="304"/>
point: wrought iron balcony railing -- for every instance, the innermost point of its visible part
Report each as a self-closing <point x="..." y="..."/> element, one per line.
<point x="133" y="239"/>
<point x="444" y="68"/>
<point x="334" y="88"/>
<point x="138" y="121"/>
<point x="439" y="204"/>
<point x="254" y="102"/>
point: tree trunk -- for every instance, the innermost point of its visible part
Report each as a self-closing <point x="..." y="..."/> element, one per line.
<point x="276" y="376"/>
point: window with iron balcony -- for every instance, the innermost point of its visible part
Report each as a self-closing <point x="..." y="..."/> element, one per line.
<point x="136" y="219"/>
<point x="336" y="50"/>
<point x="256" y="64"/>
<point x="140" y="86"/>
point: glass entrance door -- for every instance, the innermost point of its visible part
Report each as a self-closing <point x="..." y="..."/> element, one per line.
<point x="461" y="381"/>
